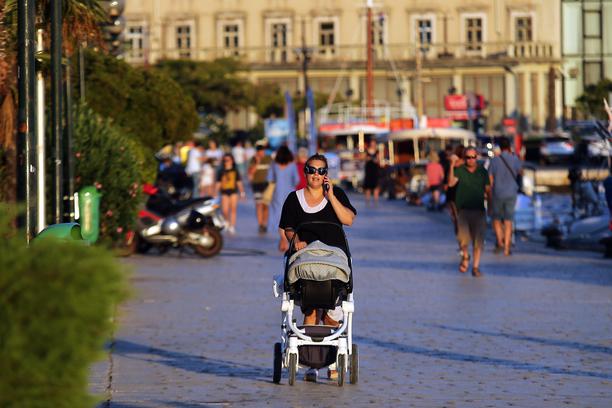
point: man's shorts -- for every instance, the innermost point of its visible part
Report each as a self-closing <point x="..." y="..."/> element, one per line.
<point x="503" y="208"/>
<point x="472" y="225"/>
<point x="258" y="189"/>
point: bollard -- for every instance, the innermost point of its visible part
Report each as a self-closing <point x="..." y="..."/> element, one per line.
<point x="89" y="211"/>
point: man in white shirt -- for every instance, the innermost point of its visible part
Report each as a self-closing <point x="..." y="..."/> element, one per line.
<point x="239" y="154"/>
<point x="194" y="167"/>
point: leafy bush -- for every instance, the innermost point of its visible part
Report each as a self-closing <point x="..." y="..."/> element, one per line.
<point x="145" y="103"/>
<point x="57" y="302"/>
<point x="591" y="102"/>
<point x="116" y="164"/>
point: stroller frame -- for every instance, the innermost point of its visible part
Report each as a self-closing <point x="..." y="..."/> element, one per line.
<point x="294" y="337"/>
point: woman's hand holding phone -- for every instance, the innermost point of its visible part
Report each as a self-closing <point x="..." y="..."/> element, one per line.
<point x="327" y="187"/>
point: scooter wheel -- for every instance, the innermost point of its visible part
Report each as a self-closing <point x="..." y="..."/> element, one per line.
<point x="215" y="248"/>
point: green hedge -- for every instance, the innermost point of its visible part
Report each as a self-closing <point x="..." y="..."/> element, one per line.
<point x="114" y="162"/>
<point x="56" y="307"/>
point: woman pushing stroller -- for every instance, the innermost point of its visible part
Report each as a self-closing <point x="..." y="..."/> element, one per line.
<point x="315" y="215"/>
<point x="318" y="206"/>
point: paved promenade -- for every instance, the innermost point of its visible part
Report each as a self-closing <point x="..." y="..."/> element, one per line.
<point x="535" y="331"/>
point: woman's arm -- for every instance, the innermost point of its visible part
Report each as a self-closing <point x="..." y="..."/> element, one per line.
<point x="289" y="234"/>
<point x="345" y="215"/>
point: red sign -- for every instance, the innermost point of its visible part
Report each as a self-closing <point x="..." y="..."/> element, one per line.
<point x="401" y="124"/>
<point x="464" y="102"/>
<point x="439" y="122"/>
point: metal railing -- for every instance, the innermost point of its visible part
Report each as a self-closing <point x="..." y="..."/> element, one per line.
<point x="521" y="51"/>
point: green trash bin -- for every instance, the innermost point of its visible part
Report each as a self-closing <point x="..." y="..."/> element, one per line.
<point x="89" y="209"/>
<point x="69" y="231"/>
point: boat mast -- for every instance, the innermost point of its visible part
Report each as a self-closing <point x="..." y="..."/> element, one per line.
<point x="369" y="61"/>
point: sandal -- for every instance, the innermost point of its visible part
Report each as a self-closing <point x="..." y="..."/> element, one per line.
<point x="463" y="266"/>
<point x="476" y="272"/>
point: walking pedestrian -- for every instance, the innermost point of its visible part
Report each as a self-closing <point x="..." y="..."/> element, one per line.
<point x="473" y="184"/>
<point x="194" y="166"/>
<point x="239" y="154"/>
<point x="371" y="174"/>
<point x="228" y="186"/>
<point x="302" y="157"/>
<point x="504" y="174"/>
<point x="283" y="174"/>
<point x="207" y="179"/>
<point x="213" y="152"/>
<point x="451" y="191"/>
<point x="258" y="176"/>
<point x="435" y="178"/>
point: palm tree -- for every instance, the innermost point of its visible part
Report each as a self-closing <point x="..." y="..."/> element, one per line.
<point x="80" y="23"/>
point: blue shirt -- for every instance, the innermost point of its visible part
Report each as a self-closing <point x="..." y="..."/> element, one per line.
<point x="504" y="182"/>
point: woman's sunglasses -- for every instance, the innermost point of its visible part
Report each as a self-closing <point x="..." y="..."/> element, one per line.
<point x="312" y="170"/>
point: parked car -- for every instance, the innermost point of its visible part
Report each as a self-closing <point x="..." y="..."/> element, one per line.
<point x="556" y="149"/>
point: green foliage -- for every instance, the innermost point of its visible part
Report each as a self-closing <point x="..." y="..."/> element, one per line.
<point x="146" y="103"/>
<point x="215" y="86"/>
<point x="591" y="102"/>
<point x="116" y="164"/>
<point x="58" y="299"/>
<point x="268" y="101"/>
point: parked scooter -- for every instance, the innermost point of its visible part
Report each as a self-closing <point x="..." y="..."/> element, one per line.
<point x="167" y="223"/>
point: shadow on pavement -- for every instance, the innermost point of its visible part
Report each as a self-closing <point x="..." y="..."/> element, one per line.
<point x="189" y="362"/>
<point x="469" y="358"/>
<point x="591" y="348"/>
<point x="518" y="270"/>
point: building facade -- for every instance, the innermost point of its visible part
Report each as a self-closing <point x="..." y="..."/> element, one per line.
<point x="508" y="51"/>
<point x="586" y="47"/>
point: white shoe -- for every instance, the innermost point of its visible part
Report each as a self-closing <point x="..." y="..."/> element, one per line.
<point x="231" y="230"/>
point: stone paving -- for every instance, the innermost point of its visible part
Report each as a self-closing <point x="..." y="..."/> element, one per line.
<point x="535" y="331"/>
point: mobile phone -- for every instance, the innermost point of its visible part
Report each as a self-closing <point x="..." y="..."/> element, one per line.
<point x="326" y="187"/>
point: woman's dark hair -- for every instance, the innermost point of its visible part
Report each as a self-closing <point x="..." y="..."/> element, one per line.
<point x="225" y="156"/>
<point x="283" y="155"/>
<point x="459" y="150"/>
<point x="314" y="157"/>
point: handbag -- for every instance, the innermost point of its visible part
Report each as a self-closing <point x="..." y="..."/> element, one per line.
<point x="518" y="179"/>
<point x="268" y="193"/>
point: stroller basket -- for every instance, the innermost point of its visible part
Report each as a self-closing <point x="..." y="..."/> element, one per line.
<point x="317" y="356"/>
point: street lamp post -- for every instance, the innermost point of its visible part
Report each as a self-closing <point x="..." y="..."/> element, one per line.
<point x="56" y="106"/>
<point x="26" y="120"/>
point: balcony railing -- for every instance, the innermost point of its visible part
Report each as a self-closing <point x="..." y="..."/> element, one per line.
<point x="533" y="51"/>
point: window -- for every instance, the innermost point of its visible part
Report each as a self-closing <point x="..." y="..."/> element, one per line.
<point x="473" y="31"/>
<point x="424" y="32"/>
<point x="183" y="41"/>
<point x="523" y="29"/>
<point x="327" y="38"/>
<point x="592" y="24"/>
<point x="592" y="72"/>
<point x="231" y="37"/>
<point x="279" y="41"/>
<point x="135" y="38"/>
<point x="379" y="29"/>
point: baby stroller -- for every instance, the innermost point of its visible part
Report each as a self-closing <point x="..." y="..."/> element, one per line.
<point x="316" y="346"/>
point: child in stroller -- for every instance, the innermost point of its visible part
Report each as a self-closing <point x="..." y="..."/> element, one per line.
<point x="318" y="277"/>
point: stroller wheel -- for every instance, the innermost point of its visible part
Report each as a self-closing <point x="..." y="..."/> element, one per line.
<point x="293" y="363"/>
<point x="278" y="363"/>
<point x="341" y="364"/>
<point x="354" y="377"/>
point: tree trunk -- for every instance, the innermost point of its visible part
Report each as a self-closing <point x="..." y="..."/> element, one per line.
<point x="8" y="151"/>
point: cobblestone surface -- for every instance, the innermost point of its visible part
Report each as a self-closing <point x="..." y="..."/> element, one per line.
<point x="535" y="331"/>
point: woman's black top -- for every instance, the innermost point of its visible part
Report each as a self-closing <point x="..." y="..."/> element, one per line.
<point x="296" y="212"/>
